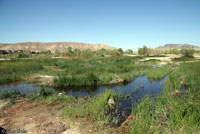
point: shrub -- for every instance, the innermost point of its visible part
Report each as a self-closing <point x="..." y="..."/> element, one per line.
<point x="143" y="51"/>
<point x="22" y="55"/>
<point x="129" y="51"/>
<point x="47" y="52"/>
<point x="68" y="52"/>
<point x="187" y="52"/>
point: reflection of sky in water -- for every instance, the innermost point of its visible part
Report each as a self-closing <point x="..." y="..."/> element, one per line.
<point x="22" y="88"/>
<point x="137" y="89"/>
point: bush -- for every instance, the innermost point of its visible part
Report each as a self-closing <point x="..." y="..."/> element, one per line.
<point x="57" y="53"/>
<point x="187" y="52"/>
<point x="129" y="51"/>
<point x="68" y="52"/>
<point x="44" y="92"/>
<point x="47" y="52"/>
<point x="22" y="55"/>
<point x="143" y="51"/>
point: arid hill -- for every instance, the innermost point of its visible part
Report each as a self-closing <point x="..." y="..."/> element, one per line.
<point x="178" y="46"/>
<point x="61" y="46"/>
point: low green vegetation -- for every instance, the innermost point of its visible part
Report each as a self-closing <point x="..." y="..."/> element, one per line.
<point x="88" y="53"/>
<point x="145" y="51"/>
<point x="99" y="71"/>
<point x="184" y="58"/>
<point x="74" y="72"/>
<point x="103" y="109"/>
<point x="15" y="70"/>
<point x="44" y="95"/>
<point x="158" y="73"/>
<point x="175" y="111"/>
<point x="188" y="52"/>
<point x="50" y="96"/>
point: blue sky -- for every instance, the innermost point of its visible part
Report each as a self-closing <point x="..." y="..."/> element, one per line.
<point x="119" y="23"/>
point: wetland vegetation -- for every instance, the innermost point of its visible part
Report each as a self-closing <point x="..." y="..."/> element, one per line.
<point x="175" y="110"/>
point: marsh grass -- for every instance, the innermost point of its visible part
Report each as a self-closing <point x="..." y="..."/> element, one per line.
<point x="74" y="72"/>
<point x="15" y="70"/>
<point x="184" y="58"/>
<point x="44" y="95"/>
<point x="98" y="71"/>
<point x="159" y="72"/>
<point x="97" y="109"/>
<point x="173" y="111"/>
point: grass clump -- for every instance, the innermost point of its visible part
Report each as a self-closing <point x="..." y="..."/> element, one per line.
<point x="160" y="72"/>
<point x="10" y="94"/>
<point x="97" y="109"/>
<point x="46" y="95"/>
<point x="88" y="80"/>
<point x="184" y="58"/>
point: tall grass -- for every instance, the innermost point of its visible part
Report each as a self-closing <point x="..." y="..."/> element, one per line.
<point x="159" y="72"/>
<point x="11" y="71"/>
<point x="174" y="111"/>
<point x="98" y="71"/>
<point x="97" y="109"/>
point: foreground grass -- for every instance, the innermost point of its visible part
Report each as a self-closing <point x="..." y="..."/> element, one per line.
<point x="42" y="96"/>
<point x="98" y="109"/>
<point x="173" y="111"/>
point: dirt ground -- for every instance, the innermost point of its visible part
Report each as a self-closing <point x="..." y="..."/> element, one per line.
<point x="37" y="118"/>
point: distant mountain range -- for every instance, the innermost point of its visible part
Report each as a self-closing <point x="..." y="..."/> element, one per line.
<point x="61" y="46"/>
<point x="178" y="46"/>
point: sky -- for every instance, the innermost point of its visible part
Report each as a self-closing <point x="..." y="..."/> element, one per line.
<point x="127" y="24"/>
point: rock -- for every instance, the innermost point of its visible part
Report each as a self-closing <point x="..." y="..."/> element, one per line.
<point x="50" y="127"/>
<point x="111" y="102"/>
<point x="60" y="94"/>
<point x="176" y="93"/>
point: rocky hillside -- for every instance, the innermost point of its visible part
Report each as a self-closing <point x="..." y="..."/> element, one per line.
<point x="178" y="46"/>
<point x="61" y="46"/>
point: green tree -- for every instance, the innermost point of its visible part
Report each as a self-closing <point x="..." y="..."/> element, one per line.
<point x="57" y="53"/>
<point x="129" y="51"/>
<point x="143" y="51"/>
<point x="77" y="52"/>
<point x="69" y="52"/>
<point x="187" y="52"/>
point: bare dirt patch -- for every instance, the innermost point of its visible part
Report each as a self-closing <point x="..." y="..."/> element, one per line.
<point x="36" y="118"/>
<point x="41" y="118"/>
<point x="45" y="80"/>
<point x="3" y="103"/>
